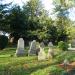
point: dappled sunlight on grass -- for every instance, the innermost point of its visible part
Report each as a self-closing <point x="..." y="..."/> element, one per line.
<point x="29" y="65"/>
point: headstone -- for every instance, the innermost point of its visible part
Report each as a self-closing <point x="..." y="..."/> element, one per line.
<point x="50" y="51"/>
<point x="37" y="50"/>
<point x="42" y="45"/>
<point x="69" y="45"/>
<point x="20" y="47"/>
<point x="33" y="47"/>
<point x="73" y="43"/>
<point x="50" y="44"/>
<point x="41" y="54"/>
<point x="71" y="48"/>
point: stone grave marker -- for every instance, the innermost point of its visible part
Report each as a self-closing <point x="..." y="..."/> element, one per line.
<point x="50" y="51"/>
<point x="42" y="45"/>
<point x="20" y="47"/>
<point x="41" y="54"/>
<point x="73" y="43"/>
<point x="50" y="44"/>
<point x="33" y="47"/>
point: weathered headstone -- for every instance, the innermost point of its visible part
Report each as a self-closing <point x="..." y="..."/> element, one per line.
<point x="41" y="54"/>
<point x="69" y="45"/>
<point x="42" y="45"/>
<point x="73" y="43"/>
<point x="20" y="47"/>
<point x="50" y="51"/>
<point x="50" y="44"/>
<point x="33" y="47"/>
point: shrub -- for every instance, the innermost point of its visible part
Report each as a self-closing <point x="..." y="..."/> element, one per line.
<point x="3" y="41"/>
<point x="54" y="70"/>
<point x="63" y="45"/>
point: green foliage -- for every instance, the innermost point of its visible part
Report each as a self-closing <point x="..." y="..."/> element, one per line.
<point x="69" y="55"/>
<point x="63" y="45"/>
<point x="71" y="31"/>
<point x="62" y="21"/>
<point x="16" y="20"/>
<point x="18" y="26"/>
<point x="3" y="41"/>
<point x="4" y="9"/>
<point x="52" y="33"/>
<point x="33" y="22"/>
<point x="30" y="65"/>
<point x="54" y="70"/>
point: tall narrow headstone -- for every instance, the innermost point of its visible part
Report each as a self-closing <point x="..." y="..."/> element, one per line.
<point x="42" y="45"/>
<point x="50" y="51"/>
<point x="32" y="50"/>
<point x="20" y="47"/>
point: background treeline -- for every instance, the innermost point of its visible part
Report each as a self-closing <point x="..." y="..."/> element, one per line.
<point x="32" y="22"/>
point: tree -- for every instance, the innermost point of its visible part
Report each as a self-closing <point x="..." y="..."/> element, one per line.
<point x="32" y="11"/>
<point x="3" y="14"/>
<point x="18" y="26"/>
<point x="62" y="22"/>
<point x="36" y="19"/>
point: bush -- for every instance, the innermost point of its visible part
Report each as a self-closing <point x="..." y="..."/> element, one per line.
<point x="54" y="70"/>
<point x="3" y="41"/>
<point x="63" y="45"/>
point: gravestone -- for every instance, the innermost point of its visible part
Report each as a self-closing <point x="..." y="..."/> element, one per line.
<point x="73" y="43"/>
<point x="50" y="44"/>
<point x="41" y="54"/>
<point x="33" y="47"/>
<point x="69" y="45"/>
<point x="50" y="51"/>
<point x="71" y="48"/>
<point x="20" y="47"/>
<point x="42" y="45"/>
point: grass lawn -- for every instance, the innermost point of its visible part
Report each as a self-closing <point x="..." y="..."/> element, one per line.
<point x="29" y="65"/>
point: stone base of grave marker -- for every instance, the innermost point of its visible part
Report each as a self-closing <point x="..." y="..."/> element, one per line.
<point x="20" y="52"/>
<point x="31" y="52"/>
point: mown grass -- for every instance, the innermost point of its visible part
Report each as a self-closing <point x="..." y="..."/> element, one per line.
<point x="29" y="65"/>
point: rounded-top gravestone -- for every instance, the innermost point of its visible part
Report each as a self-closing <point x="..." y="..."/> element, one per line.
<point x="20" y="47"/>
<point x="42" y="45"/>
<point x="50" y="44"/>
<point x="32" y="50"/>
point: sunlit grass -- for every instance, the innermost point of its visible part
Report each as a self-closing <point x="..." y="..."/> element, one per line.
<point x="29" y="65"/>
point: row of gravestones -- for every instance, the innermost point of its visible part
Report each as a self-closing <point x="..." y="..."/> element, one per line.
<point x="34" y="49"/>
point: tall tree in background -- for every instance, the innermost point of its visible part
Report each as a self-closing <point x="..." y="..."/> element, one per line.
<point x="32" y="11"/>
<point x="18" y="26"/>
<point x="62" y="21"/>
<point x="3" y="14"/>
<point x="37" y="18"/>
